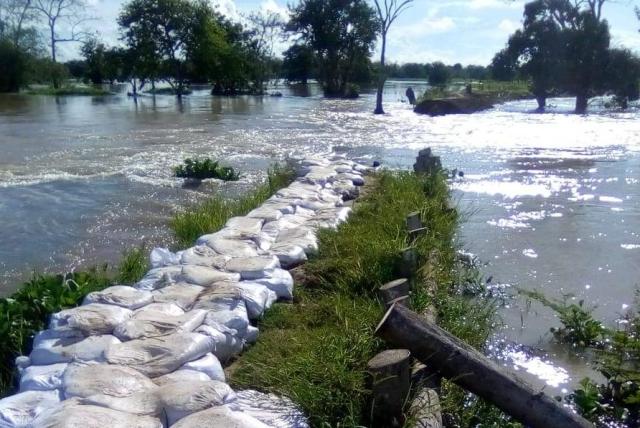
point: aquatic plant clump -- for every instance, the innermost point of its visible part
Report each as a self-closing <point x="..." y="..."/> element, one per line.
<point x="206" y="168"/>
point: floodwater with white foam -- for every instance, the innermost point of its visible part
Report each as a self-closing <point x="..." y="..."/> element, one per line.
<point x="553" y="199"/>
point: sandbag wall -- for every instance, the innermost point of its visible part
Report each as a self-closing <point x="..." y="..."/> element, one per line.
<point x="151" y="355"/>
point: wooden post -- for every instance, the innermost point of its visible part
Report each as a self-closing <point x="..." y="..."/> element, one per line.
<point x="467" y="367"/>
<point x="415" y="226"/>
<point x="394" y="290"/>
<point x="390" y="381"/>
<point x="408" y="262"/>
<point x="413" y="221"/>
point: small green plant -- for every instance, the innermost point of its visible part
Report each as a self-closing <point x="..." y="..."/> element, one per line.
<point x="206" y="168"/>
<point x="579" y="328"/>
<point x="133" y="266"/>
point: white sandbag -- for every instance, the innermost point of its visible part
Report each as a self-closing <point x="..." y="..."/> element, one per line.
<point x="116" y="387"/>
<point x="330" y="218"/>
<point x="120" y="295"/>
<point x="266" y="213"/>
<point x="181" y="294"/>
<point x="362" y="169"/>
<point x="293" y="195"/>
<point x="180" y="399"/>
<point x="22" y="362"/>
<point x="283" y="206"/>
<point x="160" y="355"/>
<point x="205" y="277"/>
<point x="253" y="240"/>
<point x="72" y="414"/>
<point x="161" y="257"/>
<point x="302" y="236"/>
<point x="245" y="225"/>
<point x="158" y="278"/>
<point x="85" y="380"/>
<point x="274" y="411"/>
<point x="226" y="342"/>
<point x="253" y="267"/>
<point x="289" y="254"/>
<point x="257" y="297"/>
<point x="220" y="416"/>
<point x="343" y="169"/>
<point x="42" y="378"/>
<point x="150" y="323"/>
<point x="202" y="255"/>
<point x="252" y="334"/>
<point x="54" y="351"/>
<point x="47" y="338"/>
<point x="209" y="365"/>
<point x="235" y="317"/>
<point x="345" y="189"/>
<point x="95" y="318"/>
<point x="168" y="308"/>
<point x="304" y="213"/>
<point x="226" y="306"/>
<point x="320" y="175"/>
<point x="21" y="409"/>
<point x="280" y="282"/>
<point x="354" y="177"/>
<point x="182" y="375"/>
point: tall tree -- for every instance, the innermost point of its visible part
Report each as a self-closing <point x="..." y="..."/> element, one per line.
<point x="69" y="14"/>
<point x="156" y="32"/>
<point x="266" y="27"/>
<point x="388" y="11"/>
<point x="341" y="33"/>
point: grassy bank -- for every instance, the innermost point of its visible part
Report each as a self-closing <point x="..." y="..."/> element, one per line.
<point x="70" y="90"/>
<point x="212" y="214"/>
<point x="316" y="349"/>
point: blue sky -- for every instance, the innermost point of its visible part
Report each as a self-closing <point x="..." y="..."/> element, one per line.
<point x="465" y="31"/>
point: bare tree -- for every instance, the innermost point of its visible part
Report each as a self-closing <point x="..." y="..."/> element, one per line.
<point x="66" y="13"/>
<point x="266" y="27"/>
<point x="388" y="11"/>
<point x="14" y="15"/>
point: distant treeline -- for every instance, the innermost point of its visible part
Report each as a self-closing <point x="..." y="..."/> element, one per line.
<point x="437" y="71"/>
<point x="562" y="49"/>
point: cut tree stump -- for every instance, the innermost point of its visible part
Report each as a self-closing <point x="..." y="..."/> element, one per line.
<point x="468" y="368"/>
<point x="390" y="383"/>
<point x="395" y="290"/>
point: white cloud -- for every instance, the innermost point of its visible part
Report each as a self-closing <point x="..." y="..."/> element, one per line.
<point x="507" y="26"/>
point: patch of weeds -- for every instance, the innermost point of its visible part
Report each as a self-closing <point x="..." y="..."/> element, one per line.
<point x="315" y="352"/>
<point x="133" y="266"/>
<point x="579" y="328"/>
<point x="26" y="312"/>
<point x="205" y="168"/>
<point x="212" y="214"/>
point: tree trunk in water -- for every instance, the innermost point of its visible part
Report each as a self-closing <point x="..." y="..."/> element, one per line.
<point x="542" y="102"/>
<point x="581" y="104"/>
<point x="381" y="79"/>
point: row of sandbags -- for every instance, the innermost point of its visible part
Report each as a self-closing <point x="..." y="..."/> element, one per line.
<point x="150" y="354"/>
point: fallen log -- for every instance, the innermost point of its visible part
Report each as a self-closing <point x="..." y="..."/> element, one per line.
<point x="468" y="368"/>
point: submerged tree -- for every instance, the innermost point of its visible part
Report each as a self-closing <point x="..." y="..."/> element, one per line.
<point x="298" y="64"/>
<point x="564" y="46"/>
<point x="388" y="11"/>
<point x="341" y="34"/>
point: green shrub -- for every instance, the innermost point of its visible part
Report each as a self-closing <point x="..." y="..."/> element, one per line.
<point x="207" y="168"/>
<point x="133" y="266"/>
<point x="26" y="312"/>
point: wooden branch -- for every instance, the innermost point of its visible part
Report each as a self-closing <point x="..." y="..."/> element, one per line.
<point x="468" y="368"/>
